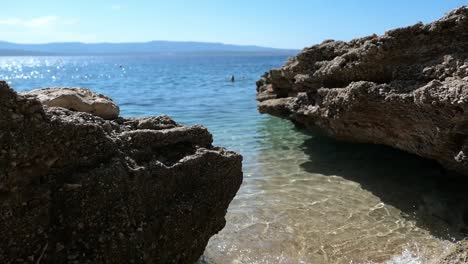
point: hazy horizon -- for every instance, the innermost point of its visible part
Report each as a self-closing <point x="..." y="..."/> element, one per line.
<point x="273" y="23"/>
<point x="135" y="48"/>
<point x="139" y="42"/>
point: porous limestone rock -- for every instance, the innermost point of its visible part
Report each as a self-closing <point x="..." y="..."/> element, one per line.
<point x="407" y="89"/>
<point x="75" y="188"/>
<point x="77" y="99"/>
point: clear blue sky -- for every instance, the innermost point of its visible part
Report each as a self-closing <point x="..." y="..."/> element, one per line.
<point x="273" y="23"/>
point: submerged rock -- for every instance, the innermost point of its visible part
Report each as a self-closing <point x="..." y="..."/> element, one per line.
<point x="407" y="89"/>
<point x="77" y="99"/>
<point x="75" y="188"/>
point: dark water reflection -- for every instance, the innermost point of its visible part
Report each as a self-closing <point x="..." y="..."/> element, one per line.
<point x="420" y="188"/>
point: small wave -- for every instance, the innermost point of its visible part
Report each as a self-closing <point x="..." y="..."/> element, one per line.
<point x="413" y="254"/>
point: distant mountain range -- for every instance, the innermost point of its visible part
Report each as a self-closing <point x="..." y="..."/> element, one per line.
<point x="153" y="47"/>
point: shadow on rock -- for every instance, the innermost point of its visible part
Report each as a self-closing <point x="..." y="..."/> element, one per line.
<point x="420" y="188"/>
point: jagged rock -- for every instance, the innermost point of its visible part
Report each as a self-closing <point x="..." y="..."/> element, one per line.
<point x="77" y="99"/>
<point x="407" y="89"/>
<point x="75" y="188"/>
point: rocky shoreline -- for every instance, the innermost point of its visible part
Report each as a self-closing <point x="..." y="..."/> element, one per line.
<point x="77" y="188"/>
<point x="407" y="89"/>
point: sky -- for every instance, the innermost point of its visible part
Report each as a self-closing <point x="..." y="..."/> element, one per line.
<point x="272" y="23"/>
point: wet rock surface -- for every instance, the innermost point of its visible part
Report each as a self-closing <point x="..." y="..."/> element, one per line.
<point x="407" y="89"/>
<point x="75" y="188"/>
<point x="77" y="99"/>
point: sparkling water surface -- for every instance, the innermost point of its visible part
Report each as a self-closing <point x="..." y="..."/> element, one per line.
<point x="305" y="199"/>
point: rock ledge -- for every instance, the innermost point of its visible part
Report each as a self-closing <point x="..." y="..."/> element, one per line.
<point x="75" y="188"/>
<point x="407" y="89"/>
<point x="77" y="99"/>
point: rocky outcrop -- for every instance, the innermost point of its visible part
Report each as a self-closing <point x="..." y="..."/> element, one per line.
<point x="77" y="99"/>
<point x="407" y="89"/>
<point x="75" y="188"/>
<point x="457" y="255"/>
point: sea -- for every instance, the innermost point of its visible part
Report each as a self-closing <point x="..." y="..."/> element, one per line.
<point x="304" y="198"/>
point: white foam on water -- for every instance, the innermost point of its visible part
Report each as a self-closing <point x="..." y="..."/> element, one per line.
<point x="415" y="255"/>
<point x="408" y="257"/>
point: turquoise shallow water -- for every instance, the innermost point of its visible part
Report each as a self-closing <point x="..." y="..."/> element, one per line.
<point x="304" y="199"/>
